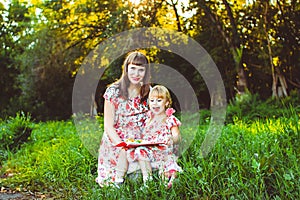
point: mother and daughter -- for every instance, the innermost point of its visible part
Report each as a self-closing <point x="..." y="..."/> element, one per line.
<point x="133" y="110"/>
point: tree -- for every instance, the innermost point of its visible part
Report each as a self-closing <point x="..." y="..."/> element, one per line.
<point x="14" y="24"/>
<point x="232" y="36"/>
<point x="272" y="46"/>
<point x="65" y="34"/>
<point x="45" y="42"/>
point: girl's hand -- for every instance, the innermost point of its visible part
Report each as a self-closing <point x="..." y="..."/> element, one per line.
<point x="170" y="141"/>
<point x="175" y="134"/>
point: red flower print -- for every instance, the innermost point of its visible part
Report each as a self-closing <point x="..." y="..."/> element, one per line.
<point x="170" y="111"/>
<point x="130" y="124"/>
<point x="132" y="154"/>
<point x="143" y="153"/>
<point x="161" y="147"/>
<point x="149" y="114"/>
<point x="113" y="162"/>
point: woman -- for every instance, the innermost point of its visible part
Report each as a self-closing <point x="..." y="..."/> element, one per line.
<point x="125" y="112"/>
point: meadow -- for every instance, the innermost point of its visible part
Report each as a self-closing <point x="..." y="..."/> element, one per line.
<point x="256" y="157"/>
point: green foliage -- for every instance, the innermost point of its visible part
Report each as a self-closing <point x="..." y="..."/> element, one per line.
<point x="253" y="160"/>
<point x="249" y="107"/>
<point x="45" y="42"/>
<point x="54" y="160"/>
<point x="14" y="132"/>
<point x="14" y="128"/>
<point x="14" y="21"/>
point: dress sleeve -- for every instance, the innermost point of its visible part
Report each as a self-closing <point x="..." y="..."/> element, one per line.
<point x="173" y="121"/>
<point x="111" y="93"/>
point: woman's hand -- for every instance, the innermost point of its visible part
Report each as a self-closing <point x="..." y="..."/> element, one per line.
<point x="109" y="116"/>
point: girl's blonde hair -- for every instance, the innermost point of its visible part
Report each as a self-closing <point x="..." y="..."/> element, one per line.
<point x="161" y="91"/>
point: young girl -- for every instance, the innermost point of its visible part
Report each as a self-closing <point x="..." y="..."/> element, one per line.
<point x="161" y="127"/>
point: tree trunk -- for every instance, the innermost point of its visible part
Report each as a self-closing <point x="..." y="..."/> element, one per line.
<point x="242" y="81"/>
<point x="237" y="51"/>
<point x="279" y="89"/>
<point x="233" y="42"/>
<point x="217" y="100"/>
<point x="93" y="106"/>
<point x="177" y="15"/>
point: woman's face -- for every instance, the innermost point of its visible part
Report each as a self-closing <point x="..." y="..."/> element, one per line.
<point x="157" y="105"/>
<point x="136" y="73"/>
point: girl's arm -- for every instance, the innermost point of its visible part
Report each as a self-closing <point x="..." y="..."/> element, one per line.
<point x="109" y="116"/>
<point x="175" y="134"/>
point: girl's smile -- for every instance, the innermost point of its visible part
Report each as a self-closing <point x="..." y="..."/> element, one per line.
<point x="157" y="105"/>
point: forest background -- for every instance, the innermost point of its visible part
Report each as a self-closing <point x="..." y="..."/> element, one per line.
<point x="254" y="43"/>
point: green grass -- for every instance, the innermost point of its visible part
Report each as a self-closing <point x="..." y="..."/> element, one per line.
<point x="252" y="159"/>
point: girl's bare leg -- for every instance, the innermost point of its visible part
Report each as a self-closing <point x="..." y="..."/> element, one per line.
<point x="146" y="170"/>
<point x="122" y="166"/>
<point x="170" y="176"/>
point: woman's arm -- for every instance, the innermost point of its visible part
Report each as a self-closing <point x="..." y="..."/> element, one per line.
<point x="175" y="134"/>
<point x="109" y="116"/>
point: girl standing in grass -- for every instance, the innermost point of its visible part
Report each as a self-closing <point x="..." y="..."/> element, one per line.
<point x="161" y="127"/>
<point x="125" y="112"/>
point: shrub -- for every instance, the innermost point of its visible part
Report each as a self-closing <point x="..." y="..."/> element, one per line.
<point x="250" y="107"/>
<point x="14" y="132"/>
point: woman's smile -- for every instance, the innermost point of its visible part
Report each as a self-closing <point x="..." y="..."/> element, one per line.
<point x="136" y="79"/>
<point x="136" y="73"/>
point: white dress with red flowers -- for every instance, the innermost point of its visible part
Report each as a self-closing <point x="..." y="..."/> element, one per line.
<point x="130" y="117"/>
<point x="161" y="157"/>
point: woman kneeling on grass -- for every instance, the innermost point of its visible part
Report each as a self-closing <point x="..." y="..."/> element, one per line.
<point x="161" y="127"/>
<point x="125" y="112"/>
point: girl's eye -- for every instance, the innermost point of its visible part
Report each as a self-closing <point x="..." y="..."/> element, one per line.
<point x="141" y="70"/>
<point x="159" y="100"/>
<point x="151" y="100"/>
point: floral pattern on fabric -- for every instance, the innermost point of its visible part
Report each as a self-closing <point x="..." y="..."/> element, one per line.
<point x="130" y="116"/>
<point x="161" y="157"/>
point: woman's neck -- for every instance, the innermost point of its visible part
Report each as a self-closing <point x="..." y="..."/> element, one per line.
<point x="133" y="90"/>
<point x="134" y="87"/>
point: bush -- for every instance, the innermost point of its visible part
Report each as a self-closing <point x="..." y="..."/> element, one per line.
<point x="250" y="107"/>
<point x="14" y="132"/>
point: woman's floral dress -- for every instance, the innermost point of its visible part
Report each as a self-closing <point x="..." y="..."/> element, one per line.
<point x="129" y="120"/>
<point x="161" y="157"/>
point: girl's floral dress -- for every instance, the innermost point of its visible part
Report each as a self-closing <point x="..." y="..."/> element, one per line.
<point x="161" y="157"/>
<point x="129" y="120"/>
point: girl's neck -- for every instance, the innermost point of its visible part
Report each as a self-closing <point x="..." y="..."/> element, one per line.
<point x="159" y="117"/>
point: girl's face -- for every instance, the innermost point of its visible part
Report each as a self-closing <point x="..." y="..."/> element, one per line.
<point x="136" y="73"/>
<point x="157" y="105"/>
